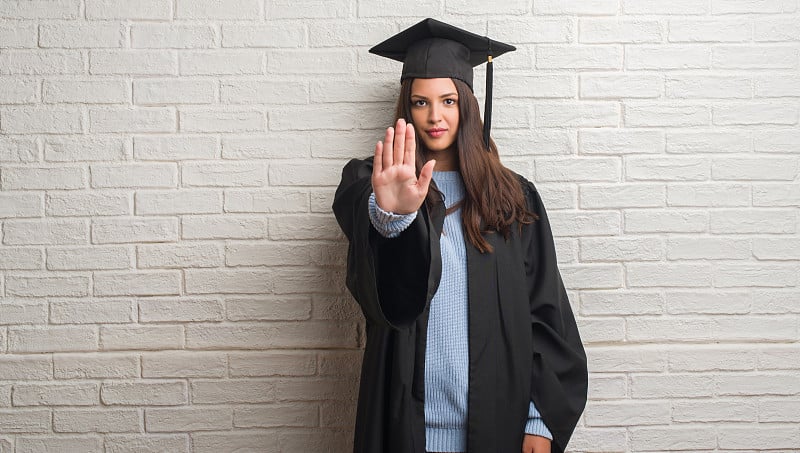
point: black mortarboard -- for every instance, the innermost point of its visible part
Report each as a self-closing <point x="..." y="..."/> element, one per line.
<point x="433" y="49"/>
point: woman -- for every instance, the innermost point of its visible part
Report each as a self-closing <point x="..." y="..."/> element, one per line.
<point x="471" y="342"/>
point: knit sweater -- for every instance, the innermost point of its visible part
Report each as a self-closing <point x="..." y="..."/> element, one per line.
<point x="447" y="352"/>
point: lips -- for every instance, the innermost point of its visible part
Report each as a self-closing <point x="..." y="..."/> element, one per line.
<point x="436" y="132"/>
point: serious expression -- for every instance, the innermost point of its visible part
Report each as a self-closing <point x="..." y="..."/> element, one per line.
<point x="434" y="112"/>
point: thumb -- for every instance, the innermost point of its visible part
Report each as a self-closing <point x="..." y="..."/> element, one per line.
<point x="425" y="176"/>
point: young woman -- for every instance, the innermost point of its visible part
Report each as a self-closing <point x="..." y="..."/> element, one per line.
<point x="471" y="342"/>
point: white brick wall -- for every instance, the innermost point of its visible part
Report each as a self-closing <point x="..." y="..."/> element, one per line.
<point x="171" y="276"/>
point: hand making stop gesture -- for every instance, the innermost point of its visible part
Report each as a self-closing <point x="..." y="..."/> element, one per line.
<point x="394" y="173"/>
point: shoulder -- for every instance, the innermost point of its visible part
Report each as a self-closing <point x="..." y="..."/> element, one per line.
<point x="358" y="168"/>
<point x="528" y="188"/>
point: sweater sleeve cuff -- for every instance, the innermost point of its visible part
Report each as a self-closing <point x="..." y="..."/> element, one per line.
<point x="388" y="224"/>
<point x="535" y="423"/>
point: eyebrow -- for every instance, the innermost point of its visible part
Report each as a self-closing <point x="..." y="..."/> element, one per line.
<point x="441" y="96"/>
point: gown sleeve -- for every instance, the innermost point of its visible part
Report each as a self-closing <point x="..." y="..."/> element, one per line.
<point x="388" y="277"/>
<point x="560" y="376"/>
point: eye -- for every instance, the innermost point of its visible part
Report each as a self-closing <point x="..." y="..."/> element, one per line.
<point x="450" y="101"/>
<point x="419" y="103"/>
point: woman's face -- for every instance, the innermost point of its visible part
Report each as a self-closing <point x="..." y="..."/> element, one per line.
<point x="434" y="112"/>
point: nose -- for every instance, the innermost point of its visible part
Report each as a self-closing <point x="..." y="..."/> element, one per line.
<point x="434" y="114"/>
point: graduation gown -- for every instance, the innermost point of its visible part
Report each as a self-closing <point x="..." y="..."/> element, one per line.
<point x="524" y="344"/>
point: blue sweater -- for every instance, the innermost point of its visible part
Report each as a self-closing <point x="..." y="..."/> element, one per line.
<point x="447" y="352"/>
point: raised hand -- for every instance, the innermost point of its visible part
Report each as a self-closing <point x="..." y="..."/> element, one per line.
<point x="394" y="174"/>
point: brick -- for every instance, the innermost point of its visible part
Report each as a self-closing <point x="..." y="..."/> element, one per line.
<point x="266" y="201"/>
<point x="659" y="274"/>
<point x="314" y="280"/>
<point x="708" y="248"/>
<point x="647" y="386"/>
<point x="72" y="286"/>
<point x="708" y="195"/>
<point x="180" y="310"/>
<point x="285" y="92"/>
<point x="775" y="301"/>
<point x="604" y="330"/>
<point x="210" y="9"/>
<point x="5" y="401"/>
<point x="96" y="421"/>
<point x="774" y="86"/>
<point x="752" y="6"/>
<point x="92" y="35"/>
<point x="15" y="90"/>
<point x="18" y="312"/>
<point x="346" y="34"/>
<point x="150" y="283"/>
<point x="91" y="311"/>
<point x="18" y="34"/>
<point x="625" y="359"/>
<point x="753" y="57"/>
<point x="43" y="178"/>
<point x="746" y="437"/>
<point x="133" y="62"/>
<point x="20" y="258"/>
<point x="621" y="86"/>
<point x="84" y="148"/>
<point x="56" y="395"/>
<point x="222" y="121"/>
<point x="181" y="364"/>
<point x="96" y="366"/>
<point x="88" y="258"/>
<point x="188" y="419"/>
<point x="270" y="309"/>
<point x="712" y="358"/>
<point x="553" y="86"/>
<point x="340" y="363"/>
<point x="277" y="415"/>
<point x="582" y="114"/>
<point x="41" y="62"/>
<point x="664" y="57"/>
<point x="17" y="150"/>
<point x="663" y="115"/>
<point x="257" y="364"/>
<point x="179" y="256"/>
<point x="760" y="384"/>
<point x="120" y="9"/>
<point x="579" y="57"/>
<point x="52" y="339"/>
<point x="716" y="328"/>
<point x="621" y="303"/>
<point x="714" y="411"/>
<point x="228" y="281"/>
<point x="311" y="61"/>
<point x="313" y="389"/>
<point x="168" y="36"/>
<point x="26" y="367"/>
<point x="682" y="7"/>
<point x="150" y="443"/>
<point x="673" y="437"/>
<point x="693" y="87"/>
<point x="620" y="141"/>
<point x="134" y="230"/>
<point x="24" y="421"/>
<point x="606" y="387"/>
<point x="271" y="254"/>
<point x="576" y="7"/>
<point x="709" y="141"/>
<point x="756" y="113"/>
<point x="776" y="141"/>
<point x="59" y="443"/>
<point x="710" y="30"/>
<point x="778" y="410"/>
<point x="175" y="148"/>
<point x="612" y="31"/>
<point x="587" y="276"/>
<point x="85" y="91"/>
<point x="774" y="29"/>
<point x="778" y="357"/>
<point x="172" y="91"/>
<point x="78" y="203"/>
<point x="626" y="414"/>
<point x="216" y="62"/>
<point x="665" y="221"/>
<point x="224" y="227"/>
<point x="667" y="169"/>
<point x="272" y="146"/>
<point x="621" y="249"/>
<point x="379" y="8"/>
<point x="45" y="120"/>
<point x="223" y="175"/>
<point x="343" y="309"/>
<point x="309" y="334"/>
<point x="141" y="338"/>
<point x="232" y="391"/>
<point x="776" y="249"/>
<point x="134" y="175"/>
<point x="283" y="35"/>
<point x="595" y="196"/>
<point x="569" y="224"/>
<point x="753" y="221"/>
<point x="137" y="119"/>
<point x="144" y="394"/>
<point x="250" y="440"/>
<point x="581" y="169"/>
<point x="308" y="439"/>
<point x="466" y="7"/>
<point x="737" y="275"/>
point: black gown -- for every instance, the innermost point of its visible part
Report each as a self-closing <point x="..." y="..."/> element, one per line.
<point x="523" y="341"/>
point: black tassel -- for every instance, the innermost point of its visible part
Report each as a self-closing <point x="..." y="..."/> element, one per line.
<point x="487" y="109"/>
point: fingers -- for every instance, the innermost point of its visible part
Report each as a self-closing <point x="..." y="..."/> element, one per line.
<point x="411" y="146"/>
<point x="388" y="156"/>
<point x="425" y="176"/>
<point x="377" y="162"/>
<point x="399" y="141"/>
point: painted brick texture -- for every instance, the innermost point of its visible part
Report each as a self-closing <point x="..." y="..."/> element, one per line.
<point x="172" y="277"/>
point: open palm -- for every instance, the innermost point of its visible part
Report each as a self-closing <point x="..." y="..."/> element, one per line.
<point x="394" y="174"/>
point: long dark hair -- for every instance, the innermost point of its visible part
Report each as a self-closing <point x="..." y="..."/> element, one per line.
<point x="494" y="200"/>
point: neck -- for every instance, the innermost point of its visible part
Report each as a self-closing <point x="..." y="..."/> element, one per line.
<point x="445" y="160"/>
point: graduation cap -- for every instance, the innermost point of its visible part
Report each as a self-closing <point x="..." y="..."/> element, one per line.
<point x="433" y="49"/>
